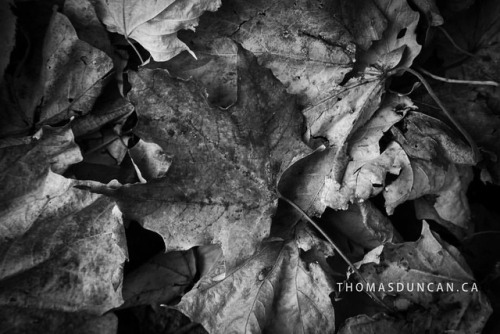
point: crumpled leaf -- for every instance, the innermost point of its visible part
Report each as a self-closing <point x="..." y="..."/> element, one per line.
<point x="154" y="25"/>
<point x="164" y="277"/>
<point x="439" y="164"/>
<point x="319" y="180"/>
<point x="150" y="159"/>
<point x="275" y="291"/>
<point x="430" y="10"/>
<point x="365" y="175"/>
<point x="7" y="34"/>
<point x="62" y="249"/>
<point x="28" y="179"/>
<point x="220" y="186"/>
<point x="428" y="260"/>
<point x="72" y="74"/>
<point x="364" y="224"/>
<point x="398" y="46"/>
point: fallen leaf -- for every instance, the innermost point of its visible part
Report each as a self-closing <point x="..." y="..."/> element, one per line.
<point x="364" y="224"/>
<point x="7" y="35"/>
<point x="76" y="240"/>
<point x="150" y="159"/>
<point x="430" y="10"/>
<point x="398" y="46"/>
<point x="429" y="260"/>
<point x="28" y="179"/>
<point x="220" y="186"/>
<point x="72" y="76"/>
<point x="83" y="18"/>
<point x="154" y="25"/>
<point x="363" y="324"/>
<point x="274" y="291"/>
<point x="29" y="321"/>
<point x="161" y="279"/>
<point x="440" y="165"/>
<point x="215" y="67"/>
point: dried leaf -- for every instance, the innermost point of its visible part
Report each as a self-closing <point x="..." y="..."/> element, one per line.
<point x="72" y="76"/>
<point x="363" y="324"/>
<point x="83" y="17"/>
<point x="27" y="180"/>
<point x="76" y="241"/>
<point x="428" y="260"/>
<point x="154" y="25"/>
<point x="215" y="67"/>
<point x="164" y="277"/>
<point x="274" y="291"/>
<point x="398" y="46"/>
<point x="30" y="321"/>
<point x="220" y="186"/>
<point x="150" y="159"/>
<point x="364" y="224"/>
<point x="430" y="10"/>
<point x="7" y="34"/>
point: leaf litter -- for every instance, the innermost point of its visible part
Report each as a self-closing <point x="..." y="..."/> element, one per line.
<point x="265" y="100"/>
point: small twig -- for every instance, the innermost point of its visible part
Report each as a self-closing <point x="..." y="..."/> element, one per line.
<point x="456" y="81"/>
<point x="445" y="33"/>
<point x="337" y="249"/>
<point x="465" y="134"/>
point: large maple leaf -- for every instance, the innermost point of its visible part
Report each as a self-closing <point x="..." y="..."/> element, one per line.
<point x="274" y="291"/>
<point x="226" y="163"/>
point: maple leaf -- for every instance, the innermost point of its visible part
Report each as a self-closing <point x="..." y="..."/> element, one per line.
<point x="273" y="291"/>
<point x="154" y="25"/>
<point x="76" y="240"/>
<point x="428" y="260"/>
<point x="226" y="163"/>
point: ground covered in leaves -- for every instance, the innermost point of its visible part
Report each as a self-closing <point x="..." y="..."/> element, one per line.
<point x="193" y="166"/>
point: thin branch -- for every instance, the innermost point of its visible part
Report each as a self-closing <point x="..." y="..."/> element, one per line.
<point x="337" y="249"/>
<point x="456" y="81"/>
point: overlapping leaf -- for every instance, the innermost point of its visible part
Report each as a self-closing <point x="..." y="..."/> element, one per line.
<point x="154" y="25"/>
<point x="274" y="291"/>
<point x="62" y="249"/>
<point x="428" y="261"/>
<point x="220" y="186"/>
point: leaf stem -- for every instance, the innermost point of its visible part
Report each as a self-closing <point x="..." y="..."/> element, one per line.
<point x="466" y="82"/>
<point x="465" y="134"/>
<point x="445" y="33"/>
<point x="337" y="249"/>
<point x="125" y="33"/>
